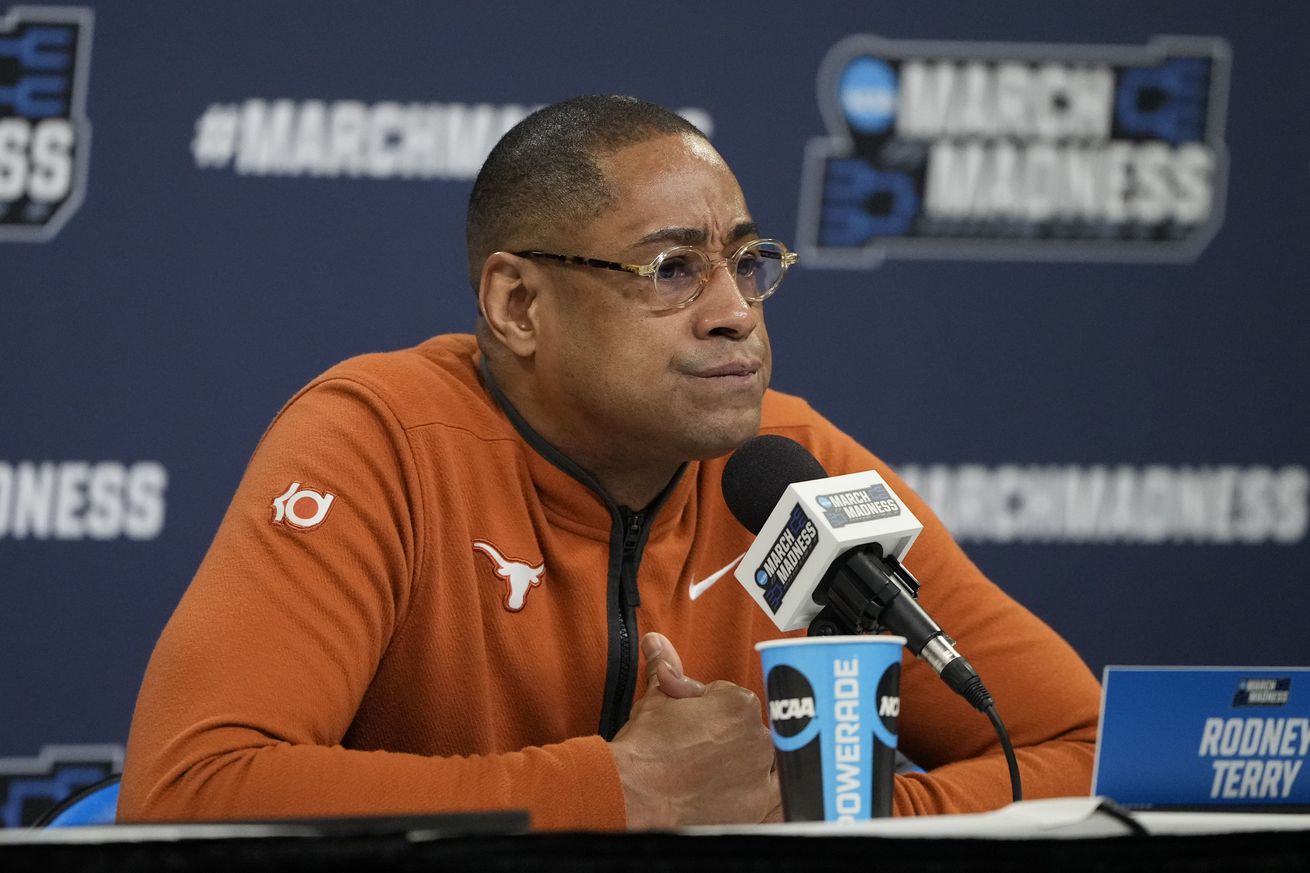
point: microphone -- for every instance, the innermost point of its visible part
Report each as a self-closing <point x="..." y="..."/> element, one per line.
<point x="827" y="554"/>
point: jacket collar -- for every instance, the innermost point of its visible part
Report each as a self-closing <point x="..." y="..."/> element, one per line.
<point x="556" y="477"/>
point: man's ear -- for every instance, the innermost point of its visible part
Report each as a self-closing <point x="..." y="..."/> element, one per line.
<point x="507" y="297"/>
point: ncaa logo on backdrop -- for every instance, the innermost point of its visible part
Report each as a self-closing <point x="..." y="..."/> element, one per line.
<point x="1014" y="151"/>
<point x="45" y="56"/>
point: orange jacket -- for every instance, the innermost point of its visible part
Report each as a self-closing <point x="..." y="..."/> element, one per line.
<point x="349" y="647"/>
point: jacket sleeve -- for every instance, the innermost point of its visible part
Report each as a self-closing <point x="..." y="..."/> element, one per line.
<point x="1044" y="693"/>
<point x="258" y="675"/>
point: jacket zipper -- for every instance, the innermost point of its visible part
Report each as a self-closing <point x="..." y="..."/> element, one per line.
<point x="619" y="694"/>
<point x="627" y="540"/>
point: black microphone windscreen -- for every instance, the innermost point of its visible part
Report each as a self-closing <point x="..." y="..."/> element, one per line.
<point x="759" y="472"/>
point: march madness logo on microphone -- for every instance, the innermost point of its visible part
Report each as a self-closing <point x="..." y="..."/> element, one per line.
<point x="861" y="504"/>
<point x="788" y="554"/>
<point x="45" y="58"/>
<point x="1018" y="151"/>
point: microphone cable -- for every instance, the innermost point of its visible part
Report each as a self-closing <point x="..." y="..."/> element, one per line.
<point x="1016" y="783"/>
<point x="971" y="688"/>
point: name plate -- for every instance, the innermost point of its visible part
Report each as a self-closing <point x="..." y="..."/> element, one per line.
<point x="1189" y="737"/>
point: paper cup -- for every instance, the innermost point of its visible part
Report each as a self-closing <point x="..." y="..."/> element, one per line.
<point x="833" y="707"/>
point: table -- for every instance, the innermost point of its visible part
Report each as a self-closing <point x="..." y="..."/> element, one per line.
<point x="1070" y="834"/>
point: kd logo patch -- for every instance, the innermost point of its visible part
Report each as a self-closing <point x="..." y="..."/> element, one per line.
<point x="301" y="508"/>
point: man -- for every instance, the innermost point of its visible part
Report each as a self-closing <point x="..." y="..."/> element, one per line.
<point x="432" y="584"/>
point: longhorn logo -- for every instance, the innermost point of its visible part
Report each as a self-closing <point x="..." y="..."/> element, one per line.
<point x="520" y="575"/>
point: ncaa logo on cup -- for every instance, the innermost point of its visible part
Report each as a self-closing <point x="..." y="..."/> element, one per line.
<point x="793" y="707"/>
<point x="289" y="508"/>
<point x="791" y="700"/>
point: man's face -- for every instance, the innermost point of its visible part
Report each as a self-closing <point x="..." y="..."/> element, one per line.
<point x="630" y="385"/>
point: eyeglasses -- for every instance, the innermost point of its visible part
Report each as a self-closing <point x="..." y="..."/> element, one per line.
<point x="679" y="274"/>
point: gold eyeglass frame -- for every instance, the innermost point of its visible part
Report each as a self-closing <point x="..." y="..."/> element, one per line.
<point x="649" y="271"/>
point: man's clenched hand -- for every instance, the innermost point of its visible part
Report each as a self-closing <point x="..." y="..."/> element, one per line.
<point x="693" y="753"/>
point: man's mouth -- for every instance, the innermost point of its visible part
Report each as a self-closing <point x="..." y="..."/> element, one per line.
<point x="738" y="369"/>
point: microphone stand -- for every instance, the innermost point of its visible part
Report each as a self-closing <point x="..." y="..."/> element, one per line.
<point x="867" y="591"/>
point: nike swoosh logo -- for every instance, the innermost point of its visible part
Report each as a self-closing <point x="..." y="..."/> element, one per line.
<point x="699" y="588"/>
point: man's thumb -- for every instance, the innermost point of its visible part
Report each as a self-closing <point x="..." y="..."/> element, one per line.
<point x="664" y="668"/>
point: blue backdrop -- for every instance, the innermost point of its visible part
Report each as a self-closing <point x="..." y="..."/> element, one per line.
<point x="1052" y="268"/>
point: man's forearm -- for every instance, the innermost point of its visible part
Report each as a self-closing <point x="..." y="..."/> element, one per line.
<point x="573" y="784"/>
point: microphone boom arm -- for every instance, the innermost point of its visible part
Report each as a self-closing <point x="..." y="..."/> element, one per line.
<point x="866" y="591"/>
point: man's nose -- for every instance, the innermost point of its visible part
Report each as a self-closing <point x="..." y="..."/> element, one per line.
<point x="722" y="309"/>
